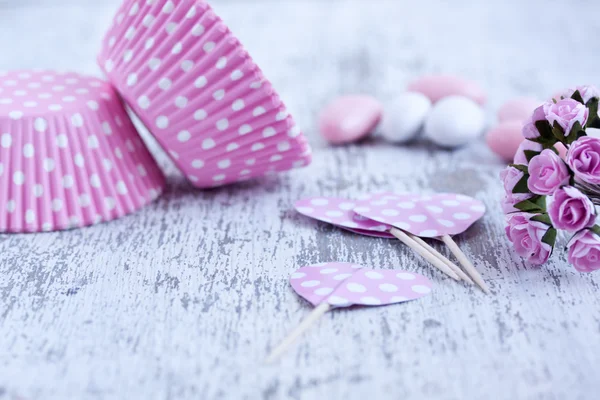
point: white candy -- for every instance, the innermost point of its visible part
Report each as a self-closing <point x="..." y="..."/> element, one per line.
<point x="454" y="121"/>
<point x="404" y="117"/>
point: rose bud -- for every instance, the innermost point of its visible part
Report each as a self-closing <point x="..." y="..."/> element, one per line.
<point x="584" y="251"/>
<point x="520" y="157"/>
<point x="539" y="114"/>
<point x="584" y="159"/>
<point x="566" y="113"/>
<point x="526" y="236"/>
<point x="547" y="173"/>
<point x="587" y="92"/>
<point x="571" y="210"/>
<point x="510" y="177"/>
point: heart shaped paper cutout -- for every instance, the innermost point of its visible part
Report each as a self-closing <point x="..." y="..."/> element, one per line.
<point x="338" y="211"/>
<point x="423" y="215"/>
<point x="343" y="284"/>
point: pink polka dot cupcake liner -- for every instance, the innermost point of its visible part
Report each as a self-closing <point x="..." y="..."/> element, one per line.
<point x="69" y="154"/>
<point x="196" y="89"/>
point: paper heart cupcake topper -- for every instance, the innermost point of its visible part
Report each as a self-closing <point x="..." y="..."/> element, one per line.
<point x="338" y="211"/>
<point x="431" y="216"/>
<point x="340" y="284"/>
<point x="425" y="216"/>
<point x="344" y="284"/>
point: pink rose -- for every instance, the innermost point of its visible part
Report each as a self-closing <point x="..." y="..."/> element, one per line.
<point x="547" y="173"/>
<point x="510" y="177"/>
<point x="584" y="159"/>
<point x="587" y="92"/>
<point x="566" y="112"/>
<point x="526" y="236"/>
<point x="571" y="210"/>
<point x="526" y="145"/>
<point x="584" y="251"/>
<point x="539" y="114"/>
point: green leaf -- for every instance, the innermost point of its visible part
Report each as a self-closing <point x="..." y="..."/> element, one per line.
<point x="528" y="206"/>
<point x="577" y="96"/>
<point x="593" y="119"/>
<point x="550" y="237"/>
<point x="547" y="143"/>
<point x="545" y="218"/>
<point x="593" y="123"/>
<point x="576" y="132"/>
<point x="592" y="105"/>
<point x="595" y="229"/>
<point x="521" y="186"/>
<point x="529" y="154"/>
<point x="520" y="167"/>
<point x="576" y="127"/>
<point x="544" y="128"/>
<point x="558" y="131"/>
<point x="540" y="201"/>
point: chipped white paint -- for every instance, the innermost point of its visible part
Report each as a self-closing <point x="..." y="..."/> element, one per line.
<point x="184" y="299"/>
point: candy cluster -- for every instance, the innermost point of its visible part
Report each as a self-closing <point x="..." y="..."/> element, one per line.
<point x="547" y="193"/>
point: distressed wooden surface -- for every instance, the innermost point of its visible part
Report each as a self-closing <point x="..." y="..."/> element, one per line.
<point x="184" y="299"/>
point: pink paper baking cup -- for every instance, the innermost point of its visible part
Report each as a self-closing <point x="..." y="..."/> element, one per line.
<point x="69" y="154"/>
<point x="199" y="93"/>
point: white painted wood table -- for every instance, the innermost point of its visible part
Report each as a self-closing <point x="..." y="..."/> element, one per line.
<point x="183" y="299"/>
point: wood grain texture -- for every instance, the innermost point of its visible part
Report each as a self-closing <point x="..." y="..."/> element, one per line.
<point x="184" y="299"/>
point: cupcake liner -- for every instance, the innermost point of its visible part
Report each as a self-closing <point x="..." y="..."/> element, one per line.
<point x="69" y="154"/>
<point x="199" y="93"/>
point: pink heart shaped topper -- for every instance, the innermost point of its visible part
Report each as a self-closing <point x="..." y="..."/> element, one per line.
<point x="342" y="284"/>
<point x="423" y="215"/>
<point x="338" y="211"/>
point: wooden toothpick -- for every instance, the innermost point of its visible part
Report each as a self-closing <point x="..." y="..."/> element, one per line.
<point x="449" y="263"/>
<point x="300" y="329"/>
<point x="423" y="252"/>
<point x="462" y="258"/>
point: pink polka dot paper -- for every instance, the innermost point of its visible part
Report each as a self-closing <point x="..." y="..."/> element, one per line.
<point x="338" y="211"/>
<point x="69" y="154"/>
<point x="199" y="93"/>
<point x="423" y="215"/>
<point x="344" y="284"/>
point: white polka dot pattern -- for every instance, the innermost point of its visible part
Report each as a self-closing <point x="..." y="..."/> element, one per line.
<point x="69" y="155"/>
<point x="338" y="211"/>
<point x="344" y="284"/>
<point x="425" y="216"/>
<point x="199" y="93"/>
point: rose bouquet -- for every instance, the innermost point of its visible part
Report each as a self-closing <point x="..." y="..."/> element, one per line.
<point x="546" y="193"/>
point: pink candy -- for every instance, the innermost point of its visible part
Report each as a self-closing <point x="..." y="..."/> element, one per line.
<point x="436" y="87"/>
<point x="517" y="109"/>
<point x="349" y="118"/>
<point x="505" y="138"/>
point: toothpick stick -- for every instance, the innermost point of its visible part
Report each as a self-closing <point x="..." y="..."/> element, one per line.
<point x="404" y="238"/>
<point x="449" y="263"/>
<point x="462" y="258"/>
<point x="300" y="329"/>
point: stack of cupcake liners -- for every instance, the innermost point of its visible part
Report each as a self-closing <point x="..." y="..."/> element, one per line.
<point x="197" y="90"/>
<point x="70" y="155"/>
